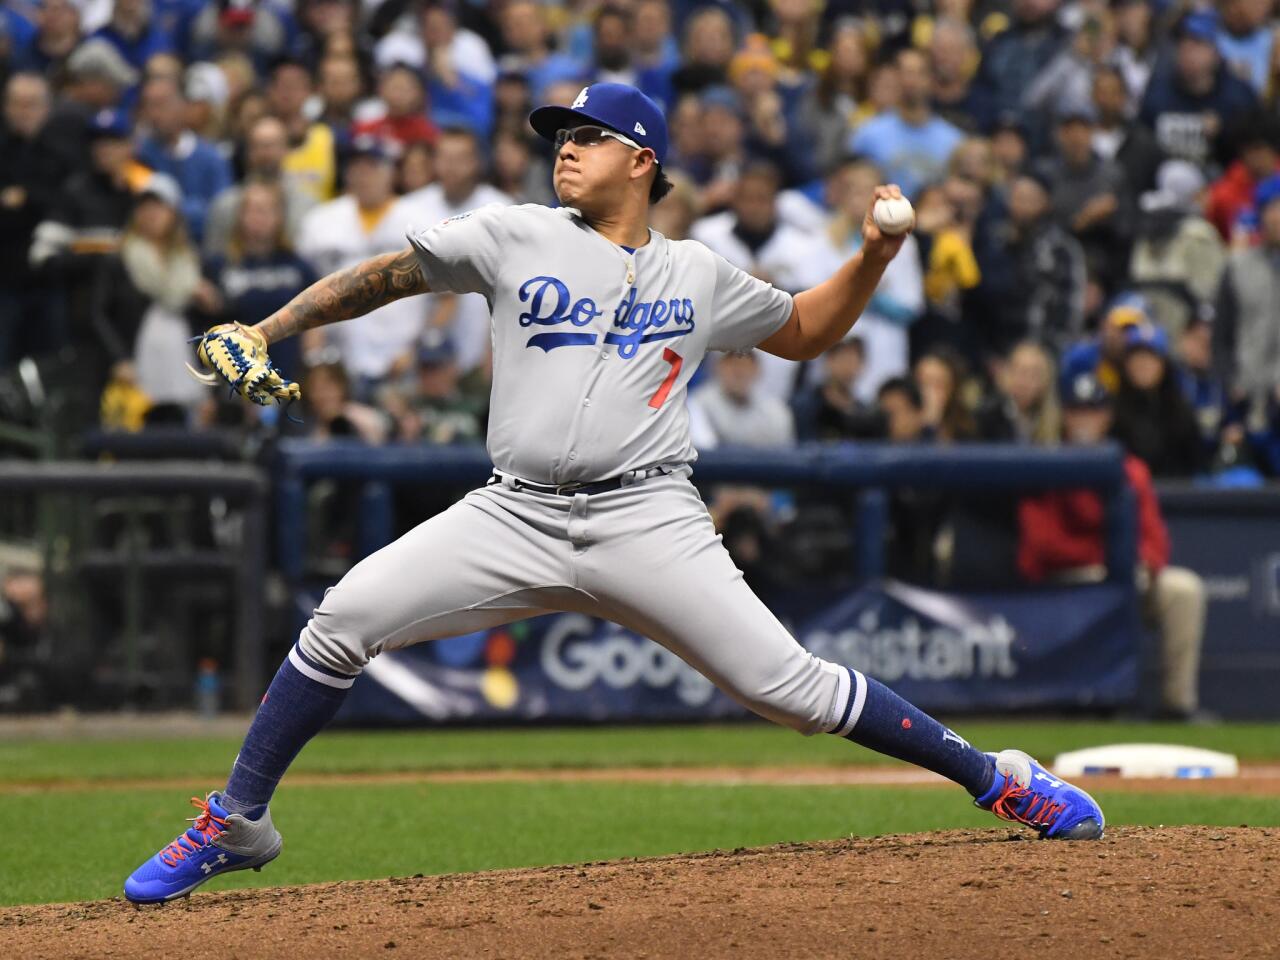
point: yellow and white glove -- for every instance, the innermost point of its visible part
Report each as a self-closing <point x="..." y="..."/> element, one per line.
<point x="237" y="355"/>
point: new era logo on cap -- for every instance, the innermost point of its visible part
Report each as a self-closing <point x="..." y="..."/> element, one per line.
<point x="619" y="107"/>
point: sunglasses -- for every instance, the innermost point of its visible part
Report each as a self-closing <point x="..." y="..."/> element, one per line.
<point x="589" y="136"/>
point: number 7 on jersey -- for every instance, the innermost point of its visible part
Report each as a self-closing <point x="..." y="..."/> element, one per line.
<point x="676" y="361"/>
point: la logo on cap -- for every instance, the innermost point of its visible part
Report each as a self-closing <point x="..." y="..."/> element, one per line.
<point x="580" y="100"/>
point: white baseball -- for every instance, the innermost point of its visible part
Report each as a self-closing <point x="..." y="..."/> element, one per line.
<point x="893" y="216"/>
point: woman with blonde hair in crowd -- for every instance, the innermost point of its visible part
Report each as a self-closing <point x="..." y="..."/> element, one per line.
<point x="259" y="272"/>
<point x="141" y="298"/>
<point x="1024" y="408"/>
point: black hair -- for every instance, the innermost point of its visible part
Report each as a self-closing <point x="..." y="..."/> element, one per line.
<point x="905" y="386"/>
<point x="660" y="187"/>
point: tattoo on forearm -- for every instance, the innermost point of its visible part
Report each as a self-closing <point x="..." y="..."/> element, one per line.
<point x="348" y="293"/>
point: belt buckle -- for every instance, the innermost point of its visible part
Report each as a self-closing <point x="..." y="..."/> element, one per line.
<point x="564" y="489"/>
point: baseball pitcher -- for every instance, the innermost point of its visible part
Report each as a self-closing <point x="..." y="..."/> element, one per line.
<point x="598" y="323"/>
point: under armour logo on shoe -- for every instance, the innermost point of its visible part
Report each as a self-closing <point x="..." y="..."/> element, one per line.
<point x="639" y="128"/>
<point x="580" y="100"/>
<point x="1055" y="784"/>
<point x="208" y="867"/>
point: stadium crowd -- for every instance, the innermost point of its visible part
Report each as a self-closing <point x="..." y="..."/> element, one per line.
<point x="1097" y="186"/>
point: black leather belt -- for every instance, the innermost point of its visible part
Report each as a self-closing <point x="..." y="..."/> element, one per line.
<point x="571" y="489"/>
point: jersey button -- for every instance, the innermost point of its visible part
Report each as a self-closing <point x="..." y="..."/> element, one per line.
<point x="573" y="455"/>
<point x="586" y="402"/>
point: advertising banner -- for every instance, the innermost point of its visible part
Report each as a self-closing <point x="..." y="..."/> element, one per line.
<point x="1043" y="649"/>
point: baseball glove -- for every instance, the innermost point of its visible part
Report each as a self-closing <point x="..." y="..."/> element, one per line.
<point x="237" y="355"/>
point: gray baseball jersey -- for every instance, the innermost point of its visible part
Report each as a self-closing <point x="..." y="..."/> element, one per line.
<point x="593" y="346"/>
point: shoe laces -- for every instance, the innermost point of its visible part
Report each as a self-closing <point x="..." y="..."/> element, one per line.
<point x="1024" y="805"/>
<point x="202" y="830"/>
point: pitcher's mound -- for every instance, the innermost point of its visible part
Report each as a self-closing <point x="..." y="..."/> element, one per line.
<point x="1141" y="892"/>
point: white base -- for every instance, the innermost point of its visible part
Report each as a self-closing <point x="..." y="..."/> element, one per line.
<point x="1147" y="760"/>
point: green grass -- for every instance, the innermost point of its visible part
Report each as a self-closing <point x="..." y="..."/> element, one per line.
<point x="544" y="748"/>
<point x="78" y="845"/>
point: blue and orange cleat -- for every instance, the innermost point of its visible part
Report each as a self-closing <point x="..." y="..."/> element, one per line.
<point x="1027" y="793"/>
<point x="216" y="843"/>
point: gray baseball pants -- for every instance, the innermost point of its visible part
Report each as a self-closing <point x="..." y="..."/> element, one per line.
<point x="646" y="556"/>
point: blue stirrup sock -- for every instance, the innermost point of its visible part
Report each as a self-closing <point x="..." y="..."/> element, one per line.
<point x="302" y="699"/>
<point x="877" y="718"/>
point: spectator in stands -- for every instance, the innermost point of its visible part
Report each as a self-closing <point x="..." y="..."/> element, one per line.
<point x="1014" y="57"/>
<point x="1153" y="420"/>
<point x="1062" y="540"/>
<point x="459" y="187"/>
<point x="32" y="170"/>
<point x="200" y="171"/>
<point x="675" y="216"/>
<point x="207" y="94"/>
<point x="1230" y="205"/>
<point x="135" y="32"/>
<point x="1221" y="432"/>
<point x="1117" y="137"/>
<point x="1103" y="355"/>
<point x="404" y="98"/>
<point x="940" y="377"/>
<point x="1009" y="146"/>
<point x="1246" y="40"/>
<point x="654" y="51"/>
<point x="57" y="34"/>
<point x="433" y="408"/>
<point x="902" y="406"/>
<point x="910" y="144"/>
<point x="142" y="295"/>
<point x="1024" y="408"/>
<point x="754" y="75"/>
<point x="733" y="410"/>
<point x="1033" y="273"/>
<point x="436" y="35"/>
<point x="252" y="29"/>
<point x="838" y="101"/>
<point x="722" y="149"/>
<point x="1089" y="195"/>
<point x="1178" y="256"/>
<point x="332" y="413"/>
<point x="1191" y="101"/>
<point x="311" y="163"/>
<point x="97" y="79"/>
<point x="87" y="218"/>
<point x="342" y="93"/>
<point x="957" y="97"/>
<point x="341" y="233"/>
<point x="1247" y="319"/>
<point x="1136" y="45"/>
<point x="830" y="411"/>
<point x="899" y="298"/>
<point x="417" y="168"/>
<point x="256" y="271"/>
<point x="708" y="46"/>
<point x="517" y="172"/>
<point x="950" y="270"/>
<point x="753" y="238"/>
<point x="265" y="150"/>
<point x="528" y="41"/>
<point x="1068" y="77"/>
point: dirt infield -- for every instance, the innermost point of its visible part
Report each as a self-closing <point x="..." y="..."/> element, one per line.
<point x="1181" y="892"/>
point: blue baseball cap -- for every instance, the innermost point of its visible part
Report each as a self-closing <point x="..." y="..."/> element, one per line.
<point x="110" y="123"/>
<point x="1084" y="390"/>
<point x="1147" y="336"/>
<point x="620" y="107"/>
<point x="1199" y="25"/>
